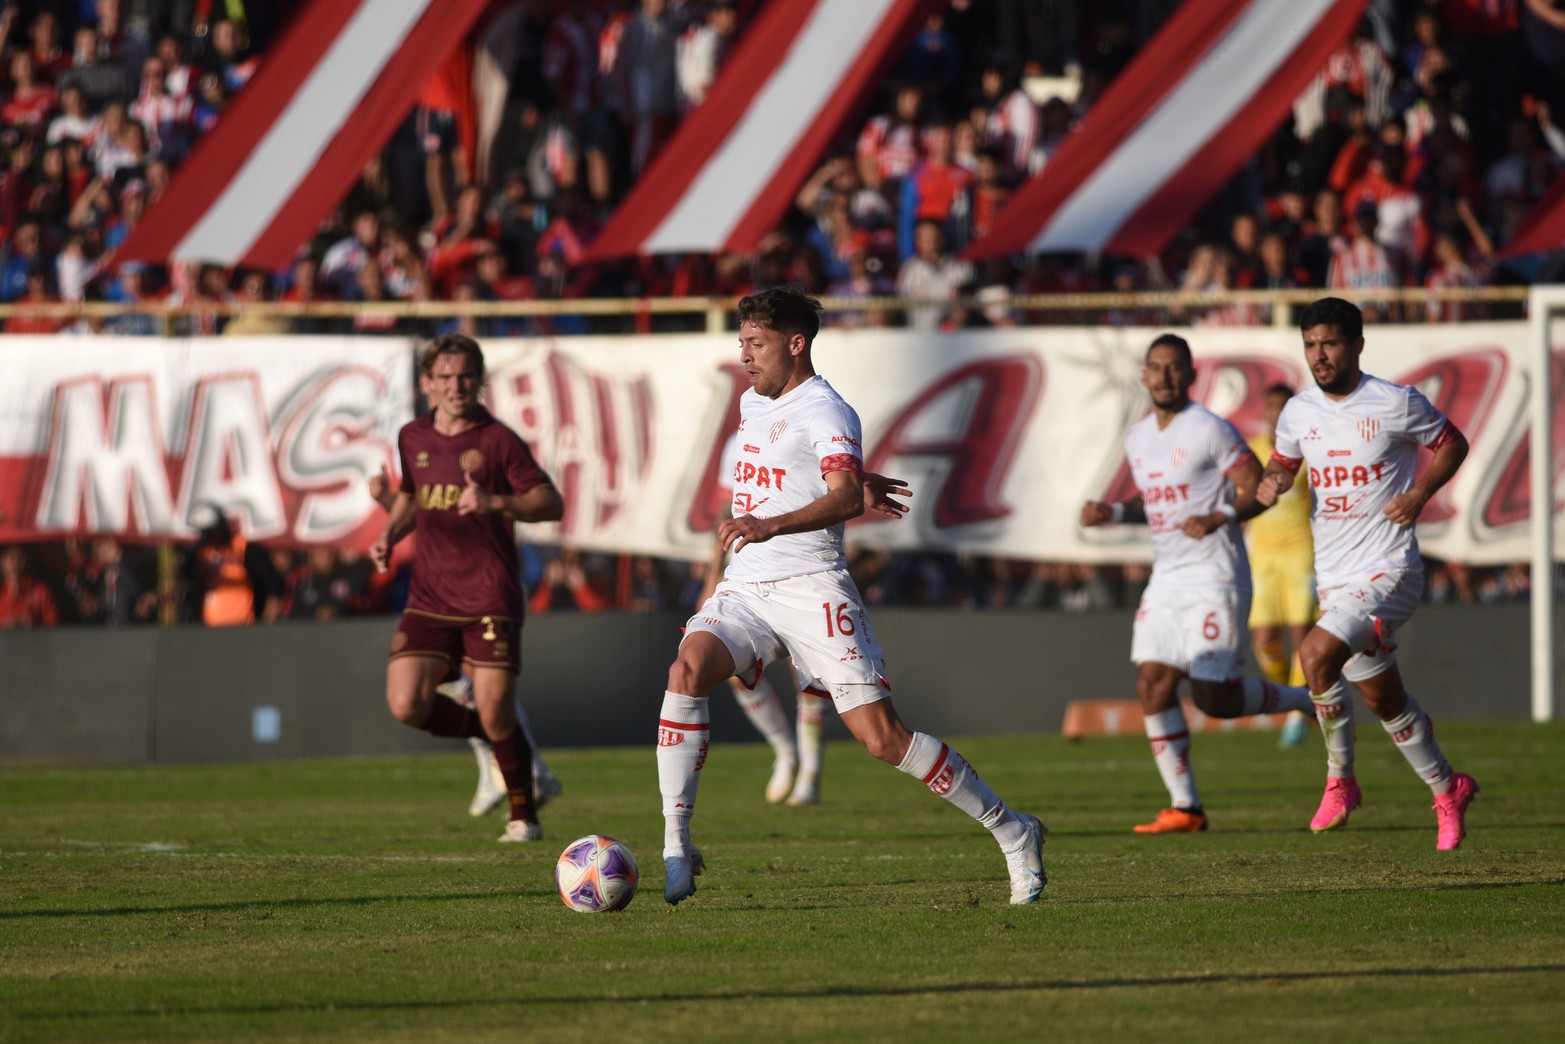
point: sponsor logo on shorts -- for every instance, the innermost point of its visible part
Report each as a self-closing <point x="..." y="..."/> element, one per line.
<point x="852" y="654"/>
<point x="471" y="460"/>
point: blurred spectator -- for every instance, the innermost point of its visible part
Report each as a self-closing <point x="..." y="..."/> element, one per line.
<point x="31" y="102"/>
<point x="932" y="275"/>
<point x="645" y="87"/>
<point x="701" y="51"/>
<point x="321" y="589"/>
<point x="1364" y="264"/>
<point x="101" y="82"/>
<point x="889" y="144"/>
<point x="105" y="589"/>
<point x="24" y="600"/>
<point x="229" y="580"/>
<point x="567" y="585"/>
<point x="936" y="190"/>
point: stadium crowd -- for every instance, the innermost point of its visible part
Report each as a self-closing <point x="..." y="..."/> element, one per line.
<point x="1408" y="162"/>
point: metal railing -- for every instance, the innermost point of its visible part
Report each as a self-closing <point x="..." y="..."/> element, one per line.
<point x="716" y="312"/>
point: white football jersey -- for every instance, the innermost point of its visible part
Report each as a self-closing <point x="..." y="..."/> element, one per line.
<point x="786" y="447"/>
<point x="1361" y="452"/>
<point x="1181" y="471"/>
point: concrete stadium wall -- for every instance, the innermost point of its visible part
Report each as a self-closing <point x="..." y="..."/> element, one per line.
<point x="180" y="695"/>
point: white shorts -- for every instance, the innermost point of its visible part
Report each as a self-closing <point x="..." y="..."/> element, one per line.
<point x="818" y="619"/>
<point x="1199" y="630"/>
<point x="1365" y="615"/>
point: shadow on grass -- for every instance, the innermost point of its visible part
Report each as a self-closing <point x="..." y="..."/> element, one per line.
<point x="784" y="993"/>
<point x="373" y="900"/>
<point x="277" y="904"/>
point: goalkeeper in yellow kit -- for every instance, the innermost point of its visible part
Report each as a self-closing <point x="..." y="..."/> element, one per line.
<point x="1282" y="573"/>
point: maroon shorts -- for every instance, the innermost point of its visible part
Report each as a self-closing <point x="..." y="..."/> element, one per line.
<point x="482" y="641"/>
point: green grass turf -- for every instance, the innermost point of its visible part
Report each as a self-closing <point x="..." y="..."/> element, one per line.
<point x="355" y="900"/>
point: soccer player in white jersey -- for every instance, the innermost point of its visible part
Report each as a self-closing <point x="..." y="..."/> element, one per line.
<point x="797" y="755"/>
<point x="1360" y="436"/>
<point x="799" y="477"/>
<point x="1197" y="481"/>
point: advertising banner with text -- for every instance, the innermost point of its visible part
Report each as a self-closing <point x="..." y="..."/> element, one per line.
<point x="131" y="437"/>
<point x="1002" y="433"/>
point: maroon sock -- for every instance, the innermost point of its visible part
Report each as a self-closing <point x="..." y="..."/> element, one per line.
<point x="450" y="718"/>
<point x="515" y="757"/>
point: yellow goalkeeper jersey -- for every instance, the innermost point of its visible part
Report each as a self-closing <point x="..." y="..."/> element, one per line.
<point x="1285" y="526"/>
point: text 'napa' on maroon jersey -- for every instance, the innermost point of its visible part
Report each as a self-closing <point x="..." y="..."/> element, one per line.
<point x="466" y="565"/>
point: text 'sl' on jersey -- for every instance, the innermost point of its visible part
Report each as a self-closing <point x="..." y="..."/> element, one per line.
<point x="466" y="565"/>
<point x="1182" y="471"/>
<point x="786" y="447"/>
<point x="1361" y="452"/>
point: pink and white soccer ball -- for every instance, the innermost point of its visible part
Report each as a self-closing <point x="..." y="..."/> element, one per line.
<point x="596" y="874"/>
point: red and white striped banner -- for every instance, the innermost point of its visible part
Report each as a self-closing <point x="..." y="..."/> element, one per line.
<point x="326" y="98"/>
<point x="1194" y="105"/>
<point x="1543" y="227"/>
<point x="731" y="170"/>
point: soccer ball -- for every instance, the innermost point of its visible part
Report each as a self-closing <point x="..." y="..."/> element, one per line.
<point x="596" y="874"/>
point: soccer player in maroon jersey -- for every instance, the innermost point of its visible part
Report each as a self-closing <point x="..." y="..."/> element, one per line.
<point x="466" y="479"/>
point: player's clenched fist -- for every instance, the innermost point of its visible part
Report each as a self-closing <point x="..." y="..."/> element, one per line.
<point x="1096" y="513"/>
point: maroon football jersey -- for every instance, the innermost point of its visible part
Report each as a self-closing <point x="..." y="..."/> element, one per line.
<point x="466" y="564"/>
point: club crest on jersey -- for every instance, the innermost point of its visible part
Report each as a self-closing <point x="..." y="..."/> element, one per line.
<point x="1177" y="459"/>
<point x="421" y="459"/>
<point x="470" y="460"/>
<point x="778" y="429"/>
<point x="1368" y="429"/>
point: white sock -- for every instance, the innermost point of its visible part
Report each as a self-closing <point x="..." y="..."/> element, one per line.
<point x="485" y="759"/>
<point x="811" y="731"/>
<point x="947" y="773"/>
<point x="1169" y="734"/>
<point x="1414" y="735"/>
<point x="765" y="712"/>
<point x="683" y="733"/>
<point x="1334" y="711"/>
<point x="1267" y="697"/>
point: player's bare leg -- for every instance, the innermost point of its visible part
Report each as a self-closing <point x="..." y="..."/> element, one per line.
<point x="1157" y="688"/>
<point x="811" y="729"/>
<point x="494" y="694"/>
<point x="684" y="731"/>
<point x="1248" y="697"/>
<point x="410" y="695"/>
<point x="947" y="774"/>
<point x="1414" y="735"/>
<point x="1323" y="655"/>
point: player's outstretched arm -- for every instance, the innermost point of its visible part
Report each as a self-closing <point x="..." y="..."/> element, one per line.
<point x="1098" y="513"/>
<point x="844" y="499"/>
<point x="878" y="491"/>
<point x="1449" y="454"/>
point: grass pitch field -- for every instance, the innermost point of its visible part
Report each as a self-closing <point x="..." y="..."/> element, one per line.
<point x="355" y="900"/>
